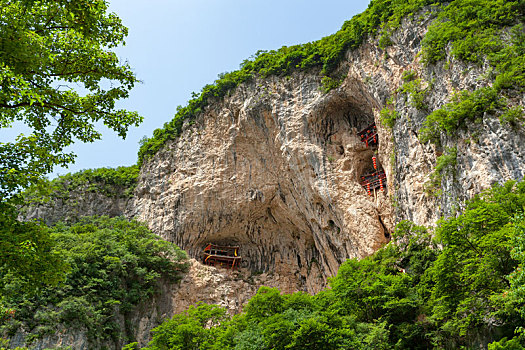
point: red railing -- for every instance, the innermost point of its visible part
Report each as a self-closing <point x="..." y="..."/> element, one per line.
<point x="369" y="135"/>
<point x="216" y="255"/>
<point x="374" y="181"/>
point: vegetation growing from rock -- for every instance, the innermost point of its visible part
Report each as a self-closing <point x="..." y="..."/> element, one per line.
<point x="388" y="114"/>
<point x="107" y="181"/>
<point x="461" y="289"/>
<point x="324" y="55"/>
<point x="445" y="163"/>
<point x="478" y="31"/>
<point x="113" y="266"/>
<point x="465" y="106"/>
<point x="412" y="87"/>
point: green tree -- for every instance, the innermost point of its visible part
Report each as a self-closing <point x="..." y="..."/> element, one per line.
<point x="267" y="302"/>
<point x="505" y="344"/>
<point x="472" y="269"/>
<point x="517" y="277"/>
<point x="26" y="253"/>
<point x="512" y="299"/>
<point x="189" y="330"/>
<point x="58" y="76"/>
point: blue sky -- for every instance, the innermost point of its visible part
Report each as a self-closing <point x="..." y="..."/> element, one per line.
<point x="176" y="47"/>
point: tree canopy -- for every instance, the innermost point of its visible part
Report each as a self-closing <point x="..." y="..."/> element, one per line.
<point x="59" y="76"/>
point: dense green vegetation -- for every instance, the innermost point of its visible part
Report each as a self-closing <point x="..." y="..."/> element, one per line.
<point x="324" y="55"/>
<point x="478" y="30"/>
<point x="100" y="179"/>
<point x="113" y="265"/>
<point x="27" y="252"/>
<point x="107" y="181"/>
<point x="28" y="246"/>
<point x="460" y="287"/>
<point x="59" y="77"/>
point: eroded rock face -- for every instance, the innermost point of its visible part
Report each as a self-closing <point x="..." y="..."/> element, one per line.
<point x="273" y="168"/>
<point x="488" y="151"/>
<point x="228" y="288"/>
<point x="76" y="205"/>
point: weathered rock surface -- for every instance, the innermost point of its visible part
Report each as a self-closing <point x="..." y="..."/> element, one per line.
<point x="274" y="167"/>
<point x="70" y="206"/>
<point x="230" y="289"/>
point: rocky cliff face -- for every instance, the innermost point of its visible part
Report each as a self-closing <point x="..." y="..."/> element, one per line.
<point x="75" y="204"/>
<point x="275" y="167"/>
<point x="103" y="191"/>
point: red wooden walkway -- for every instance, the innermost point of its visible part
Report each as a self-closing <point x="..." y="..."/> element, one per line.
<point x="216" y="255"/>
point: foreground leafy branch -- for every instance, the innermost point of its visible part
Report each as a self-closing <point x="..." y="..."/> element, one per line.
<point x="55" y="65"/>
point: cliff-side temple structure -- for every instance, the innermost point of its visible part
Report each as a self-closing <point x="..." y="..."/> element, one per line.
<point x="369" y="135"/>
<point x="375" y="180"/>
<point x="216" y="255"/>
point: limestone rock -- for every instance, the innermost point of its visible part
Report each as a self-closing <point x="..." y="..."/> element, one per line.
<point x="274" y="166"/>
